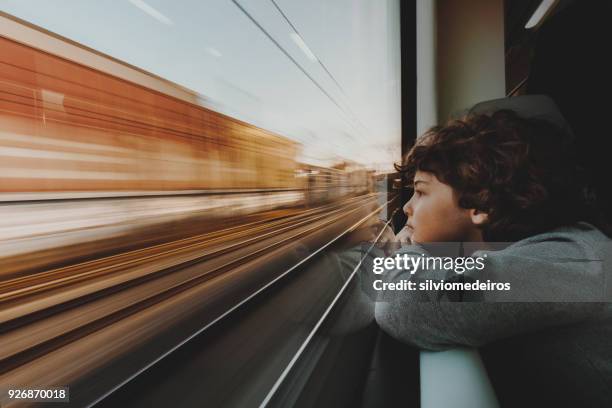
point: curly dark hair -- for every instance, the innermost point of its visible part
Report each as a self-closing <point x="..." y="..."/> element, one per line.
<point x="521" y="171"/>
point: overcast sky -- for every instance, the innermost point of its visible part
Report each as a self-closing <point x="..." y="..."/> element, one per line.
<point x="327" y="73"/>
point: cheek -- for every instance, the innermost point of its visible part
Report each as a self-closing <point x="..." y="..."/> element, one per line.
<point x="433" y="221"/>
<point x="423" y="219"/>
<point x="426" y="211"/>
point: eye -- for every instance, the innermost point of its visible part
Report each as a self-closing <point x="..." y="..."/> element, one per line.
<point x="418" y="193"/>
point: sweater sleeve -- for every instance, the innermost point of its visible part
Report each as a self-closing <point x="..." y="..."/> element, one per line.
<point x="554" y="282"/>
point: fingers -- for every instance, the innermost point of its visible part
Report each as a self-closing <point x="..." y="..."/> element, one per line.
<point x="388" y="241"/>
<point x="404" y="236"/>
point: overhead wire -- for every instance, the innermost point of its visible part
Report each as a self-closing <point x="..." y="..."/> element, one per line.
<point x="297" y="64"/>
<point x="333" y="78"/>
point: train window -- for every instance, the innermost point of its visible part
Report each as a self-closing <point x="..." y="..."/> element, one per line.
<point x="191" y="187"/>
<point x="282" y="90"/>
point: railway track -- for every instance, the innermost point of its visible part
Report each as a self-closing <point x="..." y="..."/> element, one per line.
<point x="183" y="250"/>
<point x="101" y="305"/>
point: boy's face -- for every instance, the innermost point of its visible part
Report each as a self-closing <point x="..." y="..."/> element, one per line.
<point x="434" y="214"/>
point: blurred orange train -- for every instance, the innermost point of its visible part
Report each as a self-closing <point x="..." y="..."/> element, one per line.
<point x="67" y="127"/>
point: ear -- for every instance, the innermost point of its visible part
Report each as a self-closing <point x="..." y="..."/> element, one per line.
<point x="479" y="217"/>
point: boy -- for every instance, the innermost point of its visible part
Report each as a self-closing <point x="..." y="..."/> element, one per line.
<point x="502" y="178"/>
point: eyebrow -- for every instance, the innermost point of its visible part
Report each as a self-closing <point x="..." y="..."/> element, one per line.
<point x="420" y="181"/>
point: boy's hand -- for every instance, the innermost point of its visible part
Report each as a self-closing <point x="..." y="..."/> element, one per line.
<point x="388" y="241"/>
<point x="404" y="237"/>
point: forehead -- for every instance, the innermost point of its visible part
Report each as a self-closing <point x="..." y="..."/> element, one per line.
<point x="425" y="177"/>
<point x="430" y="182"/>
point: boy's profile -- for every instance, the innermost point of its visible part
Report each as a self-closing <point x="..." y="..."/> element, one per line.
<point x="502" y="177"/>
<point x="494" y="177"/>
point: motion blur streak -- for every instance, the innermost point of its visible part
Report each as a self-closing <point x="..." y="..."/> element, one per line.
<point x="130" y="218"/>
<point x="138" y="139"/>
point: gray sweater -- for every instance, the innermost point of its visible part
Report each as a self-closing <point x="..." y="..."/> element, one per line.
<point x="546" y="342"/>
<point x="556" y="278"/>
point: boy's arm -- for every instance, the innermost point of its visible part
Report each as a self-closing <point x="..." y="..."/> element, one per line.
<point x="429" y="320"/>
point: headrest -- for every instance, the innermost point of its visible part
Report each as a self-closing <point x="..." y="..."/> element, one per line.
<point x="527" y="106"/>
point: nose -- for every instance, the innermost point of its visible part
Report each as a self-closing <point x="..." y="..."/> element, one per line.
<point x="408" y="208"/>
